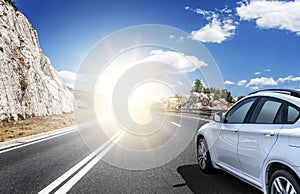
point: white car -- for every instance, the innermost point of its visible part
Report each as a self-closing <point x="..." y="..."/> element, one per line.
<point x="256" y="140"/>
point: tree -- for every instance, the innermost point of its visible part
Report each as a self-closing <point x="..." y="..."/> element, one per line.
<point x="206" y="91"/>
<point x="198" y="86"/>
<point x="239" y="98"/>
<point x="229" y="98"/>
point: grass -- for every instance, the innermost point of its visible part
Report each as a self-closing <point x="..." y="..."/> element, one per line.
<point x="17" y="129"/>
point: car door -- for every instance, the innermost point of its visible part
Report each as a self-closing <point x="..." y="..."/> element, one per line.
<point x="225" y="147"/>
<point x="258" y="135"/>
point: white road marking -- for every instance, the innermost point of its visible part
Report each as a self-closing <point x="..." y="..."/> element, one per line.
<point x="26" y="141"/>
<point x="176" y="124"/>
<point x="68" y="185"/>
<point x="89" y="161"/>
<point x="27" y="144"/>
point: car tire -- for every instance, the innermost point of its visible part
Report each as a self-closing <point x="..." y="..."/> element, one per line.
<point x="203" y="156"/>
<point x="283" y="181"/>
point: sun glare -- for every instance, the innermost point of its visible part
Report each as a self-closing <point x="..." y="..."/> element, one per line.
<point x="143" y="97"/>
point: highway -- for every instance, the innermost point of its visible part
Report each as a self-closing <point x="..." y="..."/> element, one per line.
<point x="92" y="159"/>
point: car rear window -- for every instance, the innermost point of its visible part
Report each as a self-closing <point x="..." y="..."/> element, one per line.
<point x="268" y="112"/>
<point x="292" y="114"/>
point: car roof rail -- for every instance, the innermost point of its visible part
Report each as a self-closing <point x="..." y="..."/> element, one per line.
<point x="291" y="92"/>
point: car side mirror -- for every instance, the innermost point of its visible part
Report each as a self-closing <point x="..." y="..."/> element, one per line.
<point x="218" y="117"/>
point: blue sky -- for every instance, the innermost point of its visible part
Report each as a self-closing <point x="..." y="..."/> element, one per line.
<point x="256" y="44"/>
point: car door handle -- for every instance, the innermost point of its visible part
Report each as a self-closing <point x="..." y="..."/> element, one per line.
<point x="268" y="133"/>
<point x="235" y="130"/>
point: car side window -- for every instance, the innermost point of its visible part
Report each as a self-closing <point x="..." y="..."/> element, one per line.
<point x="238" y="113"/>
<point x="292" y="114"/>
<point x="268" y="112"/>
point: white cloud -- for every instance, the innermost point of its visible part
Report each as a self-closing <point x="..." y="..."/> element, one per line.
<point x="289" y="78"/>
<point x="239" y="83"/>
<point x="227" y="82"/>
<point x="216" y="32"/>
<point x="180" y="39"/>
<point x="171" y="37"/>
<point x="177" y="39"/>
<point x="208" y="15"/>
<point x="183" y="63"/>
<point x="226" y="10"/>
<point x="254" y="88"/>
<point x="242" y="82"/>
<point x="276" y="14"/>
<point x="256" y="83"/>
<point x="220" y="26"/>
<point x="259" y="72"/>
<point x="67" y="77"/>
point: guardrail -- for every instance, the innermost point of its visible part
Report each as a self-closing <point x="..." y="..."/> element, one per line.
<point x="207" y="113"/>
<point x="202" y="112"/>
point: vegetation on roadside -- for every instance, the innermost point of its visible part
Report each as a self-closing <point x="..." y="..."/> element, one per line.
<point x="218" y="93"/>
<point x="31" y="126"/>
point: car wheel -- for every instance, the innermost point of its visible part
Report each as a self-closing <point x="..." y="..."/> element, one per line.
<point x="203" y="156"/>
<point x="282" y="181"/>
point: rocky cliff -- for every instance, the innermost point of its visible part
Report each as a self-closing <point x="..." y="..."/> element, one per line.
<point x="29" y="85"/>
<point x="195" y="100"/>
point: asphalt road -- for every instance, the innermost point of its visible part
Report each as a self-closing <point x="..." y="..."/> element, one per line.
<point x="86" y="161"/>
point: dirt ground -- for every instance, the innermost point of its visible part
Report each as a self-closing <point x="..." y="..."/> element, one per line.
<point x="31" y="126"/>
<point x="17" y="129"/>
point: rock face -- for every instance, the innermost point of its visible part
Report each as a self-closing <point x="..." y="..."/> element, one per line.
<point x="195" y="100"/>
<point x="29" y="84"/>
